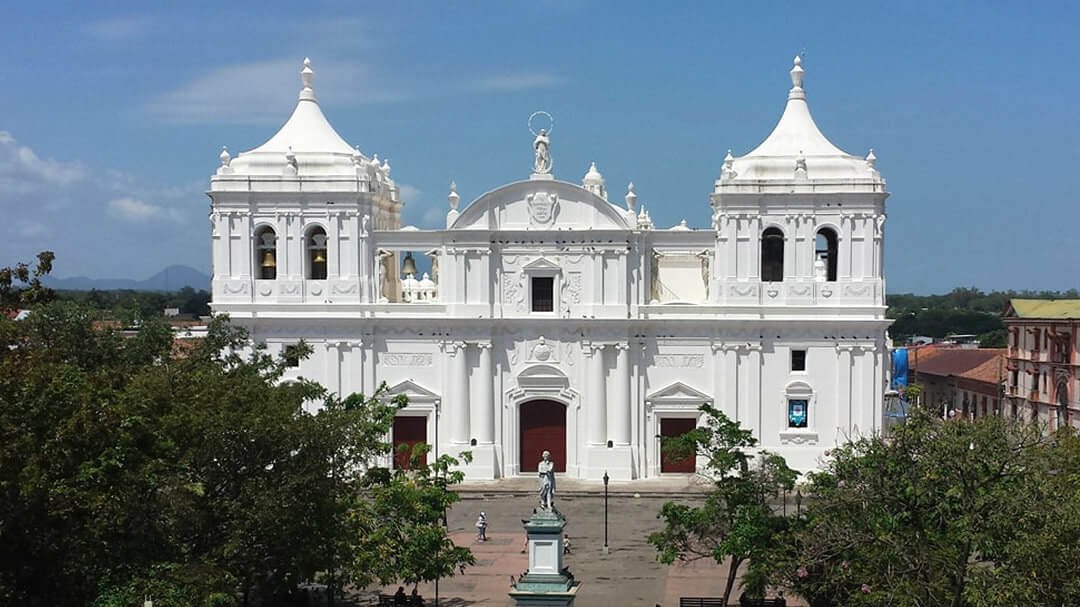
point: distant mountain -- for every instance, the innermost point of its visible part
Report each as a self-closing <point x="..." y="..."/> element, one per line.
<point x="172" y="278"/>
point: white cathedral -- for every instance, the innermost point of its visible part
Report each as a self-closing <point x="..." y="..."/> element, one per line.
<point x="555" y="318"/>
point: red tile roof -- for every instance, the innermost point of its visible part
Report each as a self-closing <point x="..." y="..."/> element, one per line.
<point x="979" y="364"/>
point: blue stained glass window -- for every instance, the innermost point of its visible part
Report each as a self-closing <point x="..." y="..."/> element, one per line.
<point x="797" y="411"/>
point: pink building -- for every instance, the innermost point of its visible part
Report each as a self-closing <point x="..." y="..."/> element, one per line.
<point x="1043" y="370"/>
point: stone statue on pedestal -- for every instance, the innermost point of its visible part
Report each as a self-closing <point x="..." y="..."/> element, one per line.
<point x="542" y="145"/>
<point x="546" y="469"/>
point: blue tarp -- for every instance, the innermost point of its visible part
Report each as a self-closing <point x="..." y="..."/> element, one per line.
<point x="899" y="368"/>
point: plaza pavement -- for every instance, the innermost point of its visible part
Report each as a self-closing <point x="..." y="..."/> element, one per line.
<point x="628" y="575"/>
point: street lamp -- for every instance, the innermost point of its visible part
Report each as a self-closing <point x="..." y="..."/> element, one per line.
<point x="606" y="479"/>
<point x="798" y="502"/>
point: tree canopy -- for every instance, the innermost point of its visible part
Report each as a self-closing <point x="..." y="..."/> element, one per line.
<point x="960" y="513"/>
<point x="736" y="522"/>
<point x="203" y="478"/>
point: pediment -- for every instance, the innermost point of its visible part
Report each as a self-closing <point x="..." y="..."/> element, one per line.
<point x="541" y="205"/>
<point x="541" y="264"/>
<point x="678" y="392"/>
<point x="536" y="371"/>
<point x="414" y="391"/>
<point x="542" y="378"/>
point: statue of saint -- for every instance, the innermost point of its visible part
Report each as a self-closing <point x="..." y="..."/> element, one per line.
<point x="546" y="469"/>
<point x="542" y="144"/>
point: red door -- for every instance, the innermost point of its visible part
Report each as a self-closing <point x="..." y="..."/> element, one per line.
<point x="408" y="430"/>
<point x="543" y="427"/>
<point x="671" y="427"/>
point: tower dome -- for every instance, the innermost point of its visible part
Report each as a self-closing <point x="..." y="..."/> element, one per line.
<point x="796" y="150"/>
<point x="306" y="142"/>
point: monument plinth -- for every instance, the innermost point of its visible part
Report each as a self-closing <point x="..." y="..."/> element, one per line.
<point x="547" y="583"/>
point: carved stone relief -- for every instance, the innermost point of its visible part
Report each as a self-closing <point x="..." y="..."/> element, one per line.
<point x="405" y="359"/>
<point x="694" y="361"/>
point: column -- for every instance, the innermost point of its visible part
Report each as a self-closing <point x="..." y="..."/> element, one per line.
<point x="483" y="410"/>
<point x="843" y="389"/>
<point x="459" y="391"/>
<point x="597" y="410"/>
<point x="619" y="405"/>
<point x="333" y="367"/>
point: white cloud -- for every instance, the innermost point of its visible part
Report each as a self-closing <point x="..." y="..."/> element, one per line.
<point x="260" y="92"/>
<point x="409" y="194"/>
<point x="30" y="229"/>
<point x="522" y="81"/>
<point x="99" y="222"/>
<point x="120" y="29"/>
<point x="135" y="210"/>
<point x="23" y="171"/>
<point x="433" y="218"/>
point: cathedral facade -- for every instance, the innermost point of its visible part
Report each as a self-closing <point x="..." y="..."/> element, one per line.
<point x="549" y="316"/>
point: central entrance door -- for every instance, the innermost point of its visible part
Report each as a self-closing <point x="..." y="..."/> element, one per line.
<point x="543" y="427"/>
<point x="408" y="430"/>
<point x="672" y="427"/>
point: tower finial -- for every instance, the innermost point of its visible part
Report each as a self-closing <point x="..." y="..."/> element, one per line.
<point x="453" y="197"/>
<point x="307" y="76"/>
<point x="797" y="73"/>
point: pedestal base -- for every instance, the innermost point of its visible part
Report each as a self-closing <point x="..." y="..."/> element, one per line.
<point x="547" y="583"/>
<point x="617" y="461"/>
<point x="523" y="598"/>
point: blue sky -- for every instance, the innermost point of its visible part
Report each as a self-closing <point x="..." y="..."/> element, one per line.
<point x="113" y="114"/>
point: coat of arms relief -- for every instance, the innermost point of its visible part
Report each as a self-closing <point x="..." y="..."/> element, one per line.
<point x="543" y="207"/>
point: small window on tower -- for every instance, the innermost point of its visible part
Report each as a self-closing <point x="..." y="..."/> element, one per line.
<point x="292" y="356"/>
<point x="543" y="294"/>
<point x="798" y="360"/>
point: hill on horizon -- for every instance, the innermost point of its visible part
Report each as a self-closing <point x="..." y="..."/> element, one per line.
<point x="172" y="278"/>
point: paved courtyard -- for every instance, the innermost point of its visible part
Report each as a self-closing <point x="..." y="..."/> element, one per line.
<point x="628" y="575"/>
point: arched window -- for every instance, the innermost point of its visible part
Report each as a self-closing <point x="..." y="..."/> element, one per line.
<point x="825" y="250"/>
<point x="772" y="255"/>
<point x="317" y="256"/>
<point x="265" y="253"/>
<point x="1063" y="405"/>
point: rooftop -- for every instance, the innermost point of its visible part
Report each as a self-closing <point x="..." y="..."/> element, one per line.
<point x="1043" y="308"/>
<point x="982" y="364"/>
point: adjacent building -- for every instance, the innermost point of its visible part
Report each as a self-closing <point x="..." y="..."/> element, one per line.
<point x="550" y="314"/>
<point x="959" y="380"/>
<point x="1043" y="371"/>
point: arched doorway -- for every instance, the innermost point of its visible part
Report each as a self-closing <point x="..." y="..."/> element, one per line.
<point x="543" y="427"/>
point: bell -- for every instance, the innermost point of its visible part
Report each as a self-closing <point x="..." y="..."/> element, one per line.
<point x="408" y="266"/>
<point x="320" y="256"/>
<point x="268" y="260"/>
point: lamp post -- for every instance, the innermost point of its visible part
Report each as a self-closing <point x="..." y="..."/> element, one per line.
<point x="606" y="479"/>
<point x="798" y="502"/>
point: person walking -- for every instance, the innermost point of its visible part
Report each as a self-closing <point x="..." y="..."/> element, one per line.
<point x="481" y="528"/>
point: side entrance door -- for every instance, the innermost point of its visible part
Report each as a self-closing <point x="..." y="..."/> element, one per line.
<point x="672" y="427"/>
<point x="408" y="430"/>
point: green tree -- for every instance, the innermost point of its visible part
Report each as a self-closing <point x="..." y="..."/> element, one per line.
<point x="736" y="521"/>
<point x="397" y="524"/>
<point x="126" y="470"/>
<point x="943" y="513"/>
<point x="21" y="286"/>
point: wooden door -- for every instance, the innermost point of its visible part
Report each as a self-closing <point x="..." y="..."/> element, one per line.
<point x="672" y="427"/>
<point x="408" y="430"/>
<point x="543" y="427"/>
